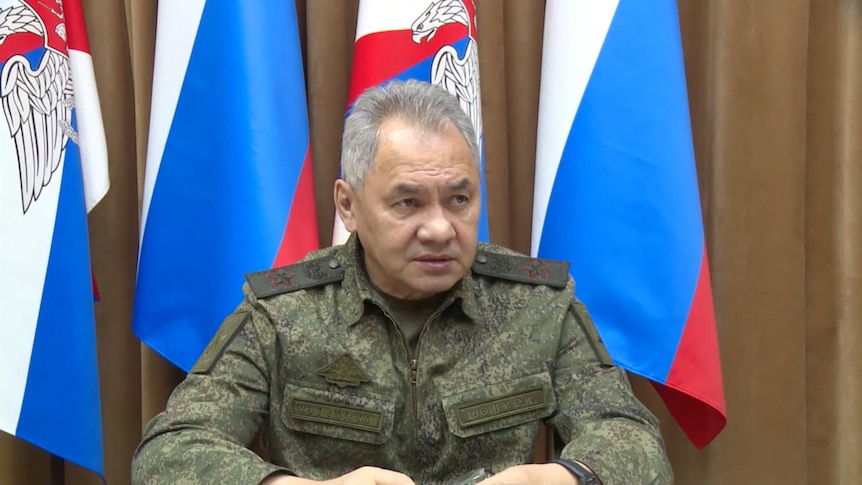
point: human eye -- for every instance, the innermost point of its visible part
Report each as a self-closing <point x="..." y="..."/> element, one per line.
<point x="405" y="203"/>
<point x="460" y="200"/>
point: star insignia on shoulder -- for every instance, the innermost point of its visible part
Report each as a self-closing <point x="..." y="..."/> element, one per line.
<point x="281" y="278"/>
<point x="535" y="269"/>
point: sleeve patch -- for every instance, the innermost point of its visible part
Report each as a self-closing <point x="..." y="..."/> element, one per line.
<point x="522" y="269"/>
<point x="223" y="337"/>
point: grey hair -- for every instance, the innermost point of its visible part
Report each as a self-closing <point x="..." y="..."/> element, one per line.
<point x="422" y="105"/>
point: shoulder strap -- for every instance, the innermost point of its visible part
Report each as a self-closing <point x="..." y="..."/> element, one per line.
<point x="522" y="269"/>
<point x="299" y="276"/>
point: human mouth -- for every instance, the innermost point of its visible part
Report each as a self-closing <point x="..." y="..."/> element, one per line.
<point x="435" y="263"/>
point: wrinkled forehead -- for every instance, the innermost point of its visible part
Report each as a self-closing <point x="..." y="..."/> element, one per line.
<point x="422" y="128"/>
<point x="409" y="155"/>
<point x="417" y="186"/>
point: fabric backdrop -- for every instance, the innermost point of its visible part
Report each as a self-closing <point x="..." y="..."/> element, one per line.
<point x="775" y="88"/>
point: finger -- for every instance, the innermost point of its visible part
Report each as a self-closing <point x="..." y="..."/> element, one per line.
<point x="509" y="476"/>
<point x="389" y="477"/>
<point x="382" y="476"/>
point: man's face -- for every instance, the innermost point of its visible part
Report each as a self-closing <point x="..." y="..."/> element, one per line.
<point x="417" y="212"/>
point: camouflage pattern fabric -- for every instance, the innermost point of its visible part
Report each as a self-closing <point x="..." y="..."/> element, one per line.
<point x="334" y="386"/>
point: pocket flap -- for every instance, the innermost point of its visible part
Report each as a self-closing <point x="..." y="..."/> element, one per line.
<point x="500" y="405"/>
<point x="353" y="416"/>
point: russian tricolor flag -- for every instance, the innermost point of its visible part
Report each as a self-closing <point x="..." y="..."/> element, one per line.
<point x="616" y="193"/>
<point x="430" y="40"/>
<point x="54" y="169"/>
<point x="229" y="184"/>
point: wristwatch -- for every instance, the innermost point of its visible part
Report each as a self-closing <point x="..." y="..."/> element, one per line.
<point x="585" y="476"/>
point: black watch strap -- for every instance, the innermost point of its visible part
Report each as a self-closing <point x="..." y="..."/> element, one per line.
<point x="585" y="476"/>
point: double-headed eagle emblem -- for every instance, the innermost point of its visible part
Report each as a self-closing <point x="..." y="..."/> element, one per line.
<point x="457" y="74"/>
<point x="37" y="103"/>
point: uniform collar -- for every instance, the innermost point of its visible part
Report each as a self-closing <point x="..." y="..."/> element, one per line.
<point x="358" y="289"/>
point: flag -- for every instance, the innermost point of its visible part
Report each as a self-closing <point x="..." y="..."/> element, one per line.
<point x="53" y="169"/>
<point x="432" y="41"/>
<point x="228" y="186"/>
<point x="616" y="194"/>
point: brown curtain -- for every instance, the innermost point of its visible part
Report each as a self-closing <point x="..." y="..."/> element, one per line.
<point x="775" y="89"/>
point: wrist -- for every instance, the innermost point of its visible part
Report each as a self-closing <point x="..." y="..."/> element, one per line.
<point x="562" y="474"/>
<point x="580" y="473"/>
<point x="280" y="478"/>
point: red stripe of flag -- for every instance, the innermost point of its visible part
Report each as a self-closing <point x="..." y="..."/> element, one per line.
<point x="300" y="232"/>
<point x="697" y="350"/>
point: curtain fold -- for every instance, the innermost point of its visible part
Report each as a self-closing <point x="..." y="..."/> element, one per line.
<point x="775" y="93"/>
<point x="833" y="236"/>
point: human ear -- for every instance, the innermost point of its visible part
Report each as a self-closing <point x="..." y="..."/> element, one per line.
<point x="344" y="197"/>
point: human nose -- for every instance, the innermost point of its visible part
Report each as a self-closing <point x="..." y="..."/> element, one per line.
<point x="436" y="227"/>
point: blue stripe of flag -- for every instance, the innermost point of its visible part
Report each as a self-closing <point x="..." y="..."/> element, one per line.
<point x="624" y="206"/>
<point x="61" y="410"/>
<point x="225" y="186"/>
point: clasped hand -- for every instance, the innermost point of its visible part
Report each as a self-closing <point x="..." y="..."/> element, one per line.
<point x="546" y="474"/>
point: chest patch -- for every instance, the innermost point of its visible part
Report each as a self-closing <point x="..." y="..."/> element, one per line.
<point x="343" y="372"/>
<point x="337" y="414"/>
<point x="501" y="407"/>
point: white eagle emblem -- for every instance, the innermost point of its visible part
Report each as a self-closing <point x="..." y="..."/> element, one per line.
<point x="458" y="75"/>
<point x="37" y="103"/>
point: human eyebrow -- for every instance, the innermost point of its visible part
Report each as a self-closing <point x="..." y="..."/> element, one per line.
<point x="463" y="185"/>
<point x="405" y="190"/>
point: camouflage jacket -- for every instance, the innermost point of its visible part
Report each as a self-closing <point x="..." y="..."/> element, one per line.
<point x="312" y="358"/>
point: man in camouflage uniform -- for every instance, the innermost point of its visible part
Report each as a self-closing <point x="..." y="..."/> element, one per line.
<point x="410" y="354"/>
